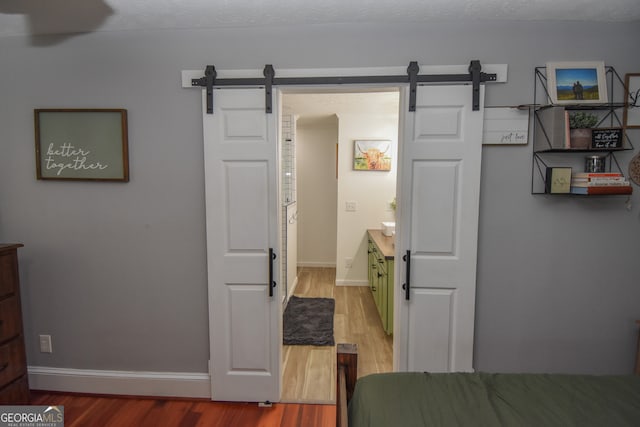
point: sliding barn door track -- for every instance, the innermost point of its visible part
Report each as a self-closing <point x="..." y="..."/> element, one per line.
<point x="475" y="76"/>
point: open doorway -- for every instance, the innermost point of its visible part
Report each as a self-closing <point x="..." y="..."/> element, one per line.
<point x="438" y="223"/>
<point x="330" y="204"/>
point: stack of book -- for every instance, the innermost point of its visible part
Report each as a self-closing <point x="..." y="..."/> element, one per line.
<point x="599" y="183"/>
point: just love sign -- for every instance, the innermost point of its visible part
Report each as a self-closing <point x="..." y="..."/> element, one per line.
<point x="82" y="144"/>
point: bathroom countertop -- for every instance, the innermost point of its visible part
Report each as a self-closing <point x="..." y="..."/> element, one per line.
<point x="384" y="243"/>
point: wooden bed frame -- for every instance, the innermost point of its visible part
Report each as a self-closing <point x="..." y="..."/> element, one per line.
<point x="347" y="371"/>
<point x="638" y="352"/>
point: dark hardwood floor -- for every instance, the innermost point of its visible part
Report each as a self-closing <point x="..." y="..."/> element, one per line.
<point x="112" y="411"/>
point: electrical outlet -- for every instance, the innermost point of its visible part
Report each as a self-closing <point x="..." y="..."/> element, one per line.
<point x="351" y="206"/>
<point x="45" y="344"/>
<point x="348" y="262"/>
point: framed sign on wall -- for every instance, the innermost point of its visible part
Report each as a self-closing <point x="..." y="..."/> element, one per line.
<point x="632" y="101"/>
<point x="372" y="155"/>
<point x="82" y="144"/>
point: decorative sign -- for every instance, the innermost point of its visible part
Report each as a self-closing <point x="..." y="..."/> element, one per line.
<point x="505" y="125"/>
<point x="606" y="138"/>
<point x="632" y="101"/>
<point x="82" y="144"/>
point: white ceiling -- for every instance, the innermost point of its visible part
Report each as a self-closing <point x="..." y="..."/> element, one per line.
<point x="35" y="17"/>
<point x="321" y="104"/>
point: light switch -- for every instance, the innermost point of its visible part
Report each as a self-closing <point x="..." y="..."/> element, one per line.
<point x="351" y="206"/>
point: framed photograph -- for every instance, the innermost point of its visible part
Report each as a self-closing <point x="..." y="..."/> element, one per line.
<point x="82" y="144"/>
<point x="372" y="155"/>
<point x="577" y="82"/>
<point x="632" y="101"/>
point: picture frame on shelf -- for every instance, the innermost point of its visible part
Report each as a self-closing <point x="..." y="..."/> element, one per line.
<point x="558" y="180"/>
<point x="577" y="82"/>
<point x="632" y="101"/>
<point x="81" y="144"/>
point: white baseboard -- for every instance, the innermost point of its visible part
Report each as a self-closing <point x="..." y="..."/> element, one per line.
<point x="293" y="287"/>
<point x="352" y="283"/>
<point x="316" y="264"/>
<point x="130" y="383"/>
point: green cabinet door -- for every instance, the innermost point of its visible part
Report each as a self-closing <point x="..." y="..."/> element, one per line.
<point x="386" y="294"/>
<point x="382" y="290"/>
<point x="373" y="272"/>
<point x="380" y="275"/>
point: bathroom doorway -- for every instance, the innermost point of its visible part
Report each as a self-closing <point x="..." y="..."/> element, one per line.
<point x="328" y="206"/>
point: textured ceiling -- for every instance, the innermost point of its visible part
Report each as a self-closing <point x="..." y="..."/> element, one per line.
<point x="35" y="17"/>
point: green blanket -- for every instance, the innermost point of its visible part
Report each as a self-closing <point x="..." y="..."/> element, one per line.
<point x="492" y="400"/>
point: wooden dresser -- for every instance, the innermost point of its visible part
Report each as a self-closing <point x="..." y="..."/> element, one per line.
<point x="14" y="385"/>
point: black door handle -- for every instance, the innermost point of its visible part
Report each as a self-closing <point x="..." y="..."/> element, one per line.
<point x="272" y="283"/>
<point x="407" y="283"/>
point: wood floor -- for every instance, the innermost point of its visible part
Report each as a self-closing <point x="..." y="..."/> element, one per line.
<point x="99" y="411"/>
<point x="309" y="376"/>
<point x="309" y="371"/>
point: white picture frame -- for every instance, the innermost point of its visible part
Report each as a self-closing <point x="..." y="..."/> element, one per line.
<point x="577" y="82"/>
<point x="632" y="101"/>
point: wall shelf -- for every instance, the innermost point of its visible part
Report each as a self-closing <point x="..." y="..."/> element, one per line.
<point x="552" y="146"/>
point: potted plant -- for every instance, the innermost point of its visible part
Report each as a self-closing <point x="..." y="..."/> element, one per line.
<point x="580" y="124"/>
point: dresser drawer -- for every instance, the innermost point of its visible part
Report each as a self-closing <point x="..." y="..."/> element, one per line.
<point x="8" y="274"/>
<point x="10" y="320"/>
<point x="16" y="393"/>
<point x="12" y="361"/>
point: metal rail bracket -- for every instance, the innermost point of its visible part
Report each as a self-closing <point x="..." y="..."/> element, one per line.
<point x="475" y="76"/>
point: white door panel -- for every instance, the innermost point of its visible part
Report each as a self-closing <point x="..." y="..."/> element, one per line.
<point x="241" y="200"/>
<point x="440" y="183"/>
<point x="246" y="195"/>
<point x="243" y="298"/>
<point x="430" y="327"/>
<point x="433" y="228"/>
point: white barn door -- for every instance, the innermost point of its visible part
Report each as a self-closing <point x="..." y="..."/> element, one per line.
<point x="241" y="211"/>
<point x="439" y="187"/>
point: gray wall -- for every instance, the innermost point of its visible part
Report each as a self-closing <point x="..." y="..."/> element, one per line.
<point x="316" y="139"/>
<point x="116" y="273"/>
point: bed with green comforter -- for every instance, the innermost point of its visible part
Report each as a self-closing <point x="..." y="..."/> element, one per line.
<point x="493" y="400"/>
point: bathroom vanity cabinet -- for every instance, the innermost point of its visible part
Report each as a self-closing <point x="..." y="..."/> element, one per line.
<point x="380" y="274"/>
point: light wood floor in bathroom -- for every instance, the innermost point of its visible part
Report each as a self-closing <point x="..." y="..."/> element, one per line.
<point x="310" y="371"/>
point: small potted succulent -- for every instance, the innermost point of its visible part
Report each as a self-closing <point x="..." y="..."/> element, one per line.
<point x="580" y="124"/>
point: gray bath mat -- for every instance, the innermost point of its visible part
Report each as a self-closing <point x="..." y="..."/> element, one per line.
<point x="309" y="321"/>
